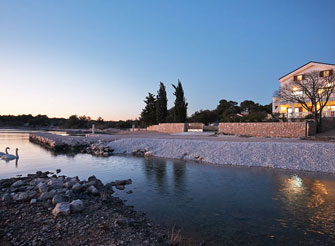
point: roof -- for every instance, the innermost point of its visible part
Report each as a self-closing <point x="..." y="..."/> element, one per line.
<point x="306" y="65"/>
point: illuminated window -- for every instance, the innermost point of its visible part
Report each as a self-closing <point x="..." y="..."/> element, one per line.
<point x="326" y="73"/>
<point x="297" y="93"/>
<point x="298" y="77"/>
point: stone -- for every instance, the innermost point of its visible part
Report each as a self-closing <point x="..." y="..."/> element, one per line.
<point x="92" y="180"/>
<point x="32" y="201"/>
<point x="120" y="187"/>
<point x="6" y="197"/>
<point x="62" y="209"/>
<point x="123" y="182"/>
<point x="68" y="193"/>
<point x="42" y="187"/>
<point x="47" y="195"/>
<point x="91" y="189"/>
<point x="58" y="170"/>
<point x="77" y="187"/>
<point x="109" y="187"/>
<point x="58" y="198"/>
<point x="17" y="184"/>
<point x="56" y="184"/>
<point x="22" y="196"/>
<point x="129" y="192"/>
<point x="77" y="206"/>
<point x="69" y="184"/>
<point x="149" y="154"/>
<point x="32" y="194"/>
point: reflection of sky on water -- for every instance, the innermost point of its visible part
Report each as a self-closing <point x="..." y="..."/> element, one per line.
<point x="226" y="205"/>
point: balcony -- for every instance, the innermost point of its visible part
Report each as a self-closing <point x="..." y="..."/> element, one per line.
<point x="299" y="115"/>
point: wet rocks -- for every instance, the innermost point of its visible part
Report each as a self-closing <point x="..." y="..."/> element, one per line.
<point x="39" y="211"/>
<point x="62" y="209"/>
<point x="120" y="184"/>
<point x="98" y="149"/>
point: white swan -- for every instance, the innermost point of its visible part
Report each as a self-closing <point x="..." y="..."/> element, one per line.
<point x="6" y="152"/>
<point x="9" y="157"/>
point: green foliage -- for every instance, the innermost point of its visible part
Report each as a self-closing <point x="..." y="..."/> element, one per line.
<point x="148" y="115"/>
<point x="161" y="104"/>
<point x="180" y="104"/>
<point x="227" y="110"/>
<point x="204" y="116"/>
<point x="255" y="117"/>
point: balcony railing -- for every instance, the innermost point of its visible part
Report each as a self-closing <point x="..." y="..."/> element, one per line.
<point x="325" y="114"/>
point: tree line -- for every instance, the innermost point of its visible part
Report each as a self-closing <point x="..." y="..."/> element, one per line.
<point x="73" y="122"/>
<point x="156" y="111"/>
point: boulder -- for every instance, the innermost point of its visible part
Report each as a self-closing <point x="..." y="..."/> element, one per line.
<point x="22" y="196"/>
<point x="123" y="182"/>
<point x="47" y="195"/>
<point x="61" y="209"/>
<point x="56" y="184"/>
<point x="42" y="187"/>
<point x="77" y="187"/>
<point x="58" y="198"/>
<point x="149" y="154"/>
<point x="92" y="190"/>
<point x="77" y="206"/>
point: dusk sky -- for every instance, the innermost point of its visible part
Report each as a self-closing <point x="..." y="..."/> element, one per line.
<point x="101" y="58"/>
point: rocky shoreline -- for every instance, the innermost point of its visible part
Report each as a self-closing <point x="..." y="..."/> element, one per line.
<point x="49" y="209"/>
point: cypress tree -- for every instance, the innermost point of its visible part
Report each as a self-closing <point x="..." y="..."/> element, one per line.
<point x="148" y="115"/>
<point x="180" y="104"/>
<point x="161" y="104"/>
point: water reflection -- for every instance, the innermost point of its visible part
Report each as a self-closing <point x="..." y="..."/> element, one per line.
<point x="179" y="174"/>
<point x="156" y="169"/>
<point x="310" y="202"/>
<point x="226" y="205"/>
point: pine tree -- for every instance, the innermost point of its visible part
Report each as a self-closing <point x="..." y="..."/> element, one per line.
<point x="180" y="104"/>
<point x="148" y="115"/>
<point x="161" y="104"/>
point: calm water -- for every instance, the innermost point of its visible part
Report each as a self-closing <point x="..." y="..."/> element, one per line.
<point x="222" y="204"/>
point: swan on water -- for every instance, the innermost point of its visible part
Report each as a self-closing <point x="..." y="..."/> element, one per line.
<point x="6" y="152"/>
<point x="9" y="157"/>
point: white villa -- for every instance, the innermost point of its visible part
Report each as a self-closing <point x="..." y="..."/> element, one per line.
<point x="294" y="110"/>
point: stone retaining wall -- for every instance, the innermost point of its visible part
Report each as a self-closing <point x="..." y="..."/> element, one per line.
<point x="268" y="129"/>
<point x="168" y="127"/>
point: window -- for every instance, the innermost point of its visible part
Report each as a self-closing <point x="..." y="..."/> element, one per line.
<point x="297" y="93"/>
<point x="299" y="77"/>
<point x="326" y="73"/>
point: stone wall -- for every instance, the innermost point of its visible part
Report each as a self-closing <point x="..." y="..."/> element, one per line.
<point x="327" y="124"/>
<point x="268" y="129"/>
<point x="168" y="127"/>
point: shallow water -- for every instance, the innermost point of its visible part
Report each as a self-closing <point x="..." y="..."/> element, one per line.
<point x="223" y="205"/>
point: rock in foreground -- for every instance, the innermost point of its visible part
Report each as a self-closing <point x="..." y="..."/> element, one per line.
<point x="89" y="216"/>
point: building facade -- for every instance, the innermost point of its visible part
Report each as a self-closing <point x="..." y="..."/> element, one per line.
<point x="295" y="110"/>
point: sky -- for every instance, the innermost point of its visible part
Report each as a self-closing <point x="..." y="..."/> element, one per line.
<point x="101" y="58"/>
